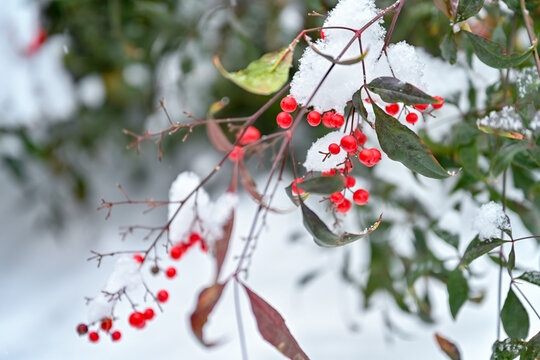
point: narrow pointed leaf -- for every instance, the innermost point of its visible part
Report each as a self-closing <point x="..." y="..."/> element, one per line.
<point x="511" y="261"/>
<point x="359" y="104"/>
<point x="217" y="137"/>
<point x="273" y="329"/>
<point x="448" y="47"/>
<point x="324" y="185"/>
<point x="332" y="59"/>
<point x="501" y="132"/>
<point x="248" y="183"/>
<point x="494" y="54"/>
<point x="532" y="277"/>
<point x="401" y="144"/>
<point x="468" y="8"/>
<point x="393" y="90"/>
<point x="208" y="298"/>
<point x="221" y="246"/>
<point x="326" y="238"/>
<point x="448" y="347"/>
<point x="478" y="248"/>
<point x="514" y="317"/>
<point x="263" y="76"/>
<point x="505" y="156"/>
<point x="458" y="291"/>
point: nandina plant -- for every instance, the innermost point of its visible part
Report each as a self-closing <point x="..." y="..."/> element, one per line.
<point x="364" y="89"/>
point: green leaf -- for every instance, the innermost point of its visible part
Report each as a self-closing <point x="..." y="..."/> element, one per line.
<point x="507" y="349"/>
<point x="468" y="8"/>
<point x="532" y="277"/>
<point x="393" y="90"/>
<point x="451" y="239"/>
<point x="401" y="144"/>
<point x="325" y="185"/>
<point x="263" y="76"/>
<point x="478" y="248"/>
<point x="505" y="156"/>
<point x="359" y="104"/>
<point x="511" y="260"/>
<point x="458" y="291"/>
<point x="514" y="317"/>
<point x="494" y="54"/>
<point x="449" y="48"/>
<point x="326" y="238"/>
<point x="532" y="349"/>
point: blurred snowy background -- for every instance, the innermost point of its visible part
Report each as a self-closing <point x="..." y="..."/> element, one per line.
<point x="63" y="105"/>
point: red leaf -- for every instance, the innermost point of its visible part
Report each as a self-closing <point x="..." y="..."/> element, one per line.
<point x="222" y="245"/>
<point x="217" y="137"/>
<point x="273" y="329"/>
<point x="448" y="347"/>
<point x="208" y="298"/>
<point x="248" y="183"/>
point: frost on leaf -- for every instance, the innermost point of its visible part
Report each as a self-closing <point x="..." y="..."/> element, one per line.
<point x="199" y="213"/>
<point x="490" y="220"/>
<point x="528" y="81"/>
<point x="507" y="349"/>
<point x="314" y="159"/>
<point x="339" y="86"/>
<point x="507" y="120"/>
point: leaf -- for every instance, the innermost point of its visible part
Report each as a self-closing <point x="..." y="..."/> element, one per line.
<point x="221" y="246"/>
<point x="325" y="185"/>
<point x="393" y="90"/>
<point x="326" y="238"/>
<point x="449" y="48"/>
<point x="468" y="8"/>
<point x="507" y="349"/>
<point x="247" y="182"/>
<point x="263" y="76"/>
<point x="446" y="7"/>
<point x="532" y="349"/>
<point x="451" y="239"/>
<point x="511" y="261"/>
<point x="494" y="54"/>
<point x="501" y="132"/>
<point x="532" y="277"/>
<point x="273" y="329"/>
<point x="448" y="347"/>
<point x="478" y="248"/>
<point x="505" y="156"/>
<point x="359" y="105"/>
<point x="403" y="145"/>
<point x="217" y="137"/>
<point x="332" y="59"/>
<point x="514" y="317"/>
<point x="208" y="298"/>
<point x="458" y="291"/>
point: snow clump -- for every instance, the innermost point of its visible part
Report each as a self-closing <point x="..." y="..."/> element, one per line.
<point x="314" y="157"/>
<point x="490" y="220"/>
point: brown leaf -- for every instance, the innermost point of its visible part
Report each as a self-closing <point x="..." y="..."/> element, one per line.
<point x="221" y="246"/>
<point x="217" y="137"/>
<point x="273" y="329"/>
<point x="205" y="304"/>
<point x="448" y="347"/>
<point x="247" y="182"/>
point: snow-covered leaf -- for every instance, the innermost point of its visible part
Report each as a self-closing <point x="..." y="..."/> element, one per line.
<point x="478" y="248"/>
<point x="507" y="349"/>
<point x="532" y="277"/>
<point x="393" y="90"/>
<point x="263" y="76"/>
<point x="468" y="8"/>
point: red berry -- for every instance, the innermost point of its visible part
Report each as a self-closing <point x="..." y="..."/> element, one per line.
<point x="348" y="143"/>
<point x="170" y="272"/>
<point x="36" y="43"/>
<point x="411" y="118"/>
<point x="421" y="107"/>
<point x="116" y="335"/>
<point x="284" y="120"/>
<point x="369" y="157"/>
<point x="176" y="252"/>
<point x="138" y="258"/>
<point x="368" y="100"/>
<point x="361" y="197"/>
<point x="93" y="336"/>
<point x="327" y="119"/>
<point x="337" y="121"/>
<point x="344" y="207"/>
<point x="337" y="198"/>
<point x="106" y="324"/>
<point x="204" y="247"/>
<point x="314" y="118"/>
<point x="361" y="138"/>
<point x="162" y="296"/>
<point x="136" y="319"/>
<point x="288" y="104"/>
<point x="236" y="154"/>
<point x="251" y="134"/>
<point x="295" y="189"/>
<point x="82" y="329"/>
<point x="350" y="182"/>
<point x="392" y="109"/>
<point x="148" y="314"/>
<point x="440" y="102"/>
<point x="334" y="148"/>
<point x="194" y="238"/>
<point x="329" y="172"/>
<point x="322" y="35"/>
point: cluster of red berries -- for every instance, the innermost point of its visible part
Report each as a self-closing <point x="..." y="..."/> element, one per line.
<point x="250" y="135"/>
<point x="106" y="326"/>
<point x="181" y="248"/>
<point x="138" y="319"/>
<point x="412" y="118"/>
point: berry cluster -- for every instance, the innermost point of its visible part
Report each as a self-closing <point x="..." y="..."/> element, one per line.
<point x="250" y="135"/>
<point x="411" y="117"/>
<point x="181" y="248"/>
<point x="106" y="325"/>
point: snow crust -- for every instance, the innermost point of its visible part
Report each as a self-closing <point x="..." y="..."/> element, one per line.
<point x="199" y="213"/>
<point x="490" y="220"/>
<point x="344" y="80"/>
